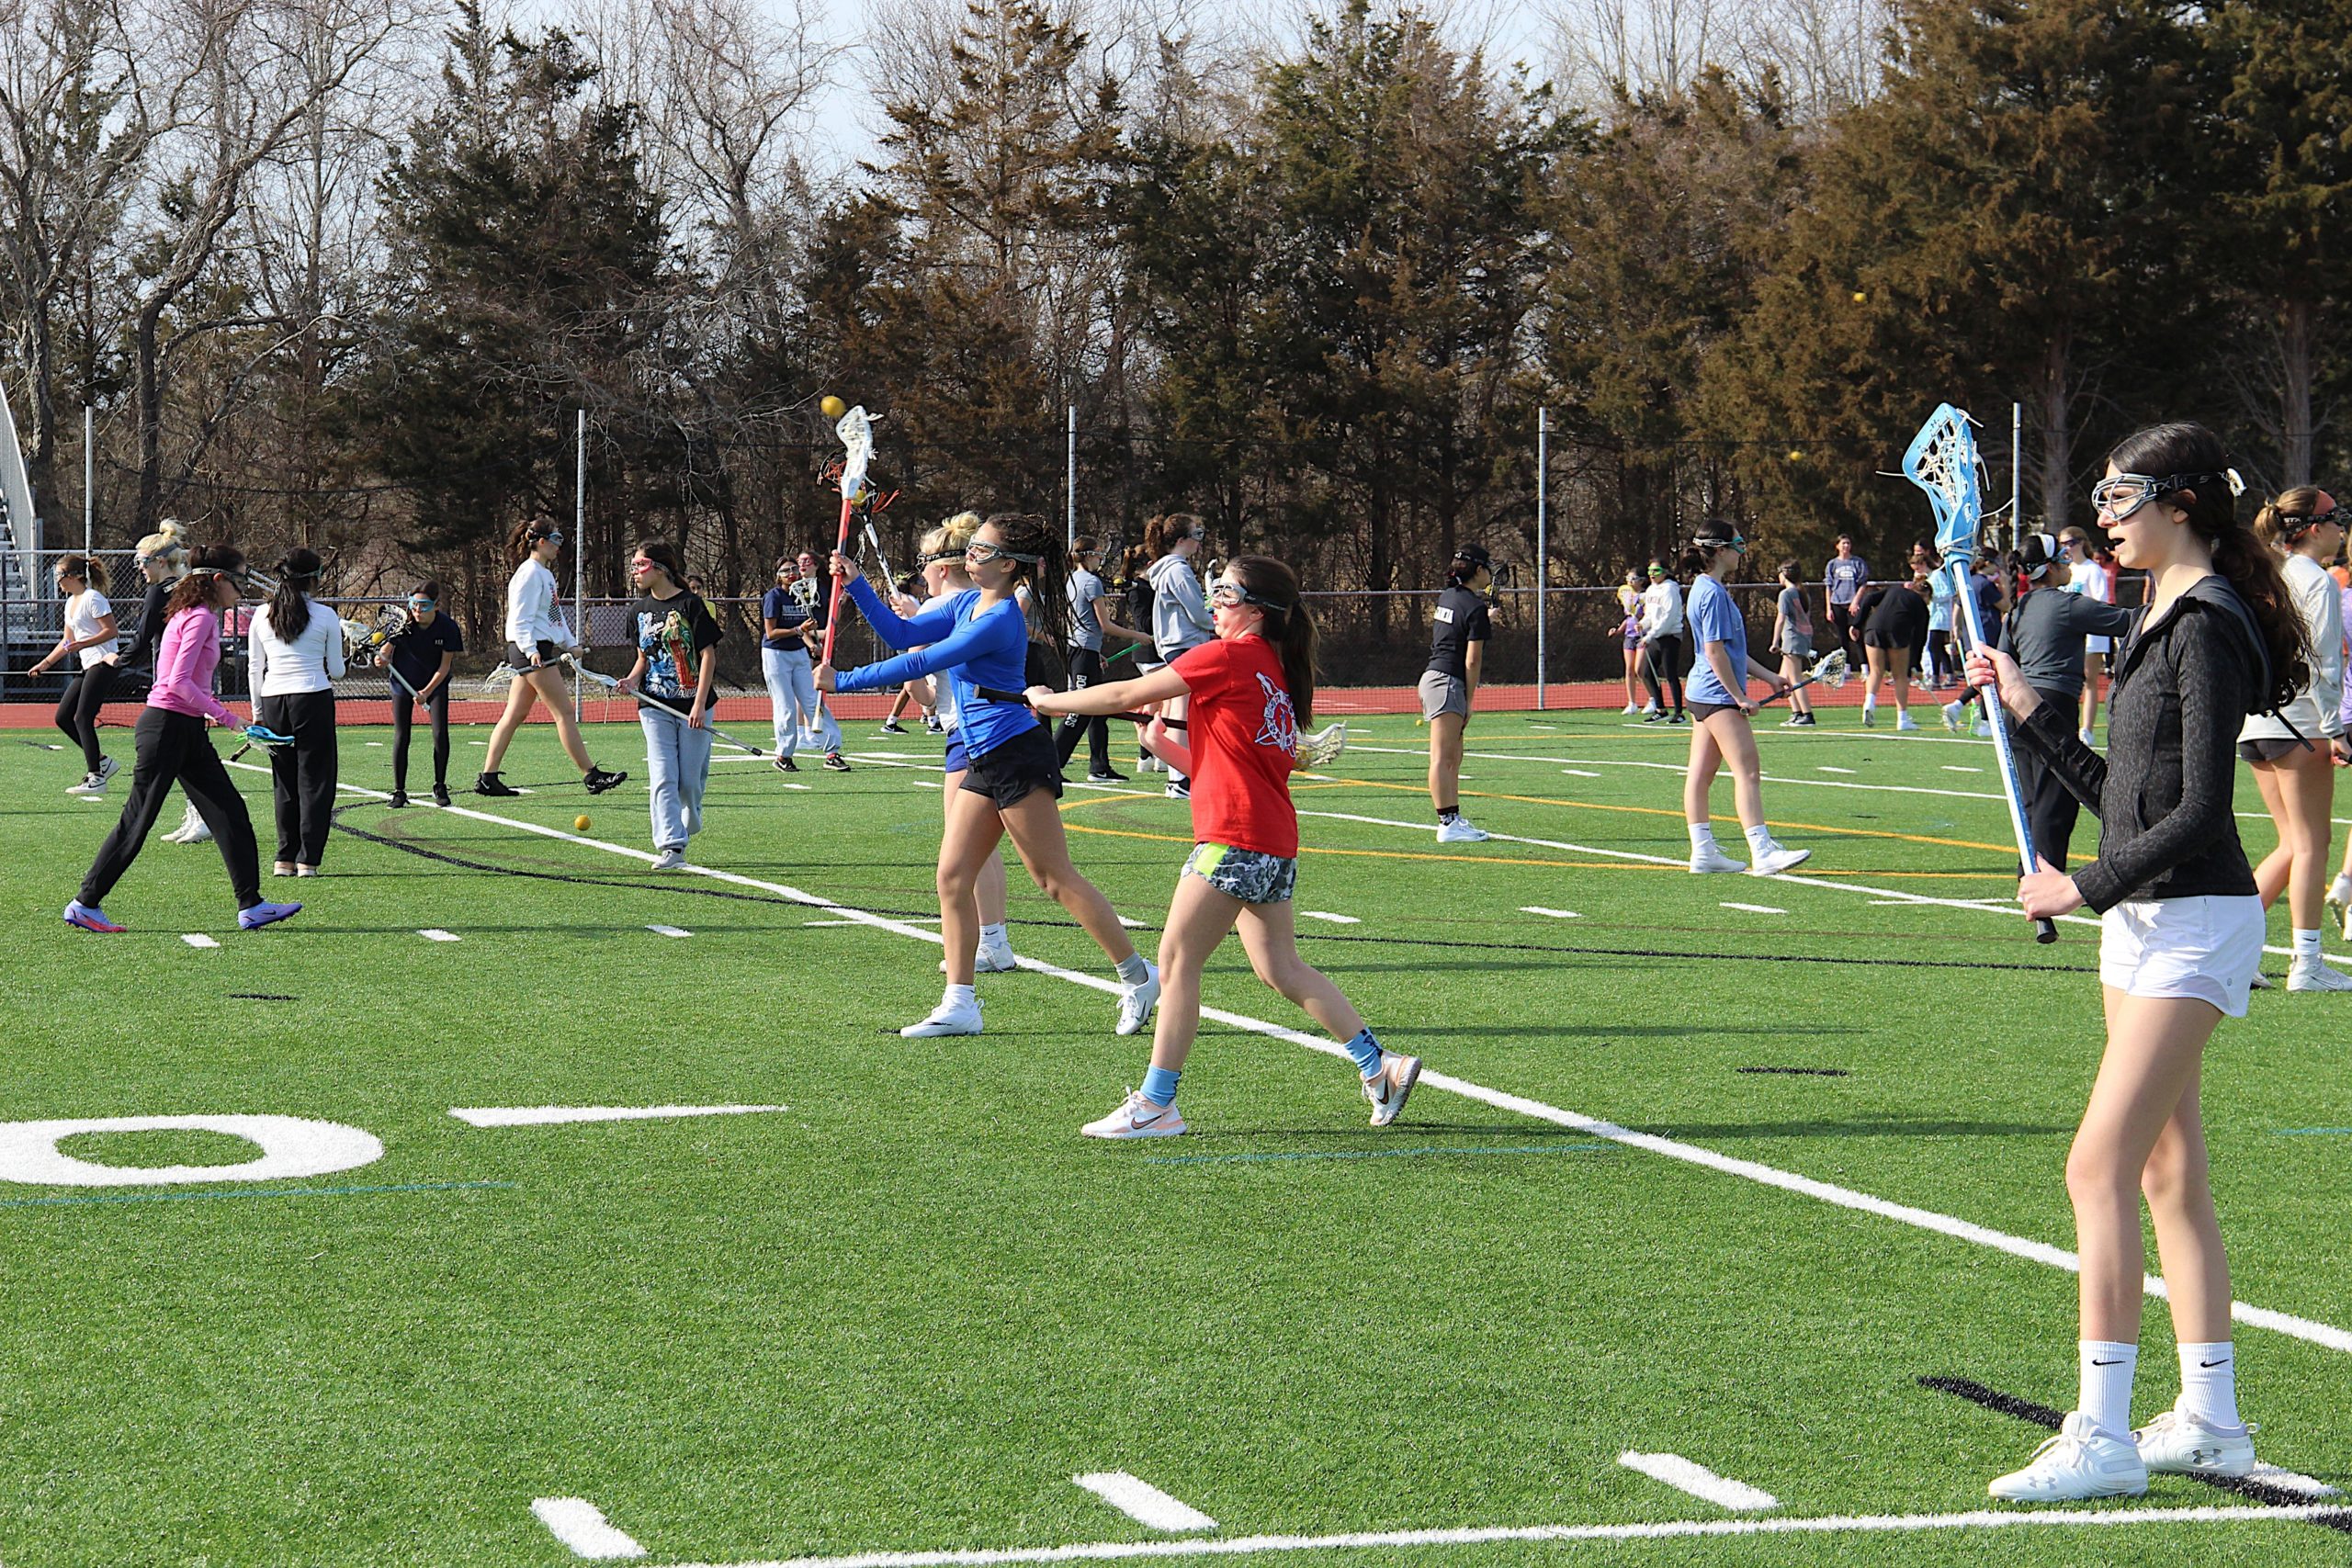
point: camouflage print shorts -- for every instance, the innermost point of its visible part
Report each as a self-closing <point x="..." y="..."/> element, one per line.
<point x="1246" y="874"/>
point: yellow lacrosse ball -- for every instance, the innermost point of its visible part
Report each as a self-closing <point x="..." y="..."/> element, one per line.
<point x="580" y="823"/>
<point x="1861" y="297"/>
<point x="832" y="406"/>
<point x="1796" y="456"/>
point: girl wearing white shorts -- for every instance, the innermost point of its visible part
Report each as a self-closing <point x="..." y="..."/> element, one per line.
<point x="2183" y="931"/>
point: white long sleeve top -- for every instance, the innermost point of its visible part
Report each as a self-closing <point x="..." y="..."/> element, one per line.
<point x="531" y="599"/>
<point x="309" y="662"/>
<point x="2317" y="709"/>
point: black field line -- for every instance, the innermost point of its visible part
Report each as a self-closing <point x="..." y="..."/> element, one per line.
<point x="2043" y="1416"/>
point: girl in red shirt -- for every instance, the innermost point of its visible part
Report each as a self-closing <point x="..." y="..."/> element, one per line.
<point x="1249" y="691"/>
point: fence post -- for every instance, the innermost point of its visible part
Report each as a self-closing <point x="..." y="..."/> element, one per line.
<point x="89" y="482"/>
<point x="579" y="559"/>
<point x="1070" y="481"/>
<point x="1543" y="547"/>
<point x="2016" y="470"/>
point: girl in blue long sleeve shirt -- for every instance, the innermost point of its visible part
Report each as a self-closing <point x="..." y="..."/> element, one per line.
<point x="980" y="639"/>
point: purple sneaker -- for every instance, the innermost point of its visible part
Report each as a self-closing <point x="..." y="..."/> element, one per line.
<point x="89" y="917"/>
<point x="261" y="915"/>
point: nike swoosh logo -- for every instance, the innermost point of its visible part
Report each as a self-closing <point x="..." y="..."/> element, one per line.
<point x="2117" y="1362"/>
<point x="2220" y="1363"/>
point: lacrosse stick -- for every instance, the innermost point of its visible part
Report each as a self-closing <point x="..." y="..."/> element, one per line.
<point x="255" y="735"/>
<point x="360" y="639"/>
<point x="881" y="557"/>
<point x="857" y="431"/>
<point x="1942" y="461"/>
<point x="612" y="685"/>
<point x="1831" y="669"/>
<point x="1312" y="749"/>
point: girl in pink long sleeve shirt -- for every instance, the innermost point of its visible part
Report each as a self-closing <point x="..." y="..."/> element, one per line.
<point x="175" y="748"/>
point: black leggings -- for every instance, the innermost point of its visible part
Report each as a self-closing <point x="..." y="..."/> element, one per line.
<point x="2050" y="808"/>
<point x="1085" y="670"/>
<point x="77" y="710"/>
<point x="436" y="707"/>
<point x="172" y="747"/>
<point x="301" y="776"/>
<point x="1662" y="664"/>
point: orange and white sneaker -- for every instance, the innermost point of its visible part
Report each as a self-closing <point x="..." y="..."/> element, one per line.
<point x="1137" y="1118"/>
<point x="1388" y="1087"/>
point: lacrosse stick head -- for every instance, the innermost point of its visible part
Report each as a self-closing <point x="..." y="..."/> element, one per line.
<point x="855" y="429"/>
<point x="1833" y="669"/>
<point x="356" y="635"/>
<point x="1323" y="745"/>
<point x="1942" y="461"/>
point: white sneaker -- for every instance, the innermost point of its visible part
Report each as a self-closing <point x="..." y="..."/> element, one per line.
<point x="1778" y="859"/>
<point x="947" y="1018"/>
<point x="1983" y="729"/>
<point x="2179" y="1443"/>
<point x="995" y="958"/>
<point x="1954" y="717"/>
<point x="1387" y="1088"/>
<point x="2087" y="736"/>
<point x="1869" y="718"/>
<point x="2314" y="974"/>
<point x="1137" y="1118"/>
<point x="192" y="829"/>
<point x="2081" y="1461"/>
<point x="669" y="860"/>
<point x="1648" y="708"/>
<point x="1632" y="708"/>
<point x="1135" y="1004"/>
<point x="1459" y="830"/>
<point x="92" y="783"/>
<point x="1712" y="858"/>
<point x="2261" y="982"/>
<point x="2339" y="900"/>
<point x="1904" y="721"/>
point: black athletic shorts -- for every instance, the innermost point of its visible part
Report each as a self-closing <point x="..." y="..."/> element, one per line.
<point x="1007" y="774"/>
<point x="1702" y="712"/>
<point x="1874" y="637"/>
<point x="519" y="658"/>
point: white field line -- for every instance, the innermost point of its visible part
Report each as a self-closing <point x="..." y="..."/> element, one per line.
<point x="2291" y="1480"/>
<point x="579" y="1524"/>
<point x="1326" y="914"/>
<point x="1847" y="771"/>
<point x="1950" y="769"/>
<point x="1684" y="1475"/>
<point x="1882" y="894"/>
<point x="1549" y="914"/>
<point x="563" y="1115"/>
<point x="1144" y="1503"/>
<point x="434" y="933"/>
<point x="1580" y="773"/>
<point x="197" y="939"/>
<point x="1840" y="1524"/>
<point x="1755" y="909"/>
<point x="669" y="930"/>
<point x="1925" y="1219"/>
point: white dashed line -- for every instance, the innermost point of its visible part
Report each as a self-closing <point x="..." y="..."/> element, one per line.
<point x="1827" y="769"/>
<point x="1335" y="920"/>
<point x="1549" y="914"/>
<point x="1700" y="1482"/>
<point x="668" y="931"/>
<point x="1144" y="1503"/>
<point x="197" y="939"/>
<point x="564" y="1115"/>
<point x="1754" y="909"/>
<point x="434" y="933"/>
<point x="1578" y="773"/>
<point x="579" y="1524"/>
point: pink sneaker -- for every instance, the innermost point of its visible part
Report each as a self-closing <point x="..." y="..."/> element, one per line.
<point x="1137" y="1118"/>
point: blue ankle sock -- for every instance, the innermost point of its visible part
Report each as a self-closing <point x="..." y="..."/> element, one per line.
<point x="1160" y="1085"/>
<point x="1366" y="1052"/>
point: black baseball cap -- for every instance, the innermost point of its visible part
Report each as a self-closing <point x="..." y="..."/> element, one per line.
<point x="1475" y="555"/>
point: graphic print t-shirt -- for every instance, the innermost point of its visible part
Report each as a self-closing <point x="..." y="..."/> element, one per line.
<point x="1242" y="731"/>
<point x="1459" y="620"/>
<point x="416" y="652"/>
<point x="671" y="634"/>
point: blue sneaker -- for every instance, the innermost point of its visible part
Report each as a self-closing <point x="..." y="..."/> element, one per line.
<point x="261" y="915"/>
<point x="89" y="917"/>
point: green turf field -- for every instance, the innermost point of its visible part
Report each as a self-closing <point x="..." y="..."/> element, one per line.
<point x="899" y="1312"/>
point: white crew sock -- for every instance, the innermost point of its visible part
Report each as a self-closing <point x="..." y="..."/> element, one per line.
<point x="1134" y="970"/>
<point x="2307" y="945"/>
<point x="1702" y="835"/>
<point x="2106" y="1395"/>
<point x="992" y="936"/>
<point x="1759" y="840"/>
<point x="2208" y="1383"/>
<point x="958" y="997"/>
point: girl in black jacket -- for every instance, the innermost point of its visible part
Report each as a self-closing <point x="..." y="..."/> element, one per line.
<point x="2183" y="934"/>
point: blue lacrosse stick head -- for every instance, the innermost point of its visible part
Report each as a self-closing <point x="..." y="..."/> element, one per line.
<point x="1942" y="461"/>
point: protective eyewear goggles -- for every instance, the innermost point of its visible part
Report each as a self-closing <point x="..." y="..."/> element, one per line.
<point x="2121" y="495"/>
<point x="1226" y="596"/>
<point x="978" y="550"/>
<point x="419" y="602"/>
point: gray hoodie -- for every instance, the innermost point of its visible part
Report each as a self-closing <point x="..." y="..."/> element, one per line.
<point x="1180" y="611"/>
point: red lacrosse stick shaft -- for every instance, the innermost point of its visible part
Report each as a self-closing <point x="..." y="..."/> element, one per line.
<point x="833" y="599"/>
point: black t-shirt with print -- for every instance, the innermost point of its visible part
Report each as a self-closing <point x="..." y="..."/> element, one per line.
<point x="1459" y="620"/>
<point x="671" y="633"/>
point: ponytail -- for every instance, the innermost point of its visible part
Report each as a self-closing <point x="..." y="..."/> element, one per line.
<point x="1288" y="626"/>
<point x="290" y="606"/>
<point x="89" y="568"/>
<point x="524" y="535"/>
<point x="195" y="591"/>
<point x="2282" y="522"/>
<point x="2253" y="570"/>
<point x="1026" y="534"/>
